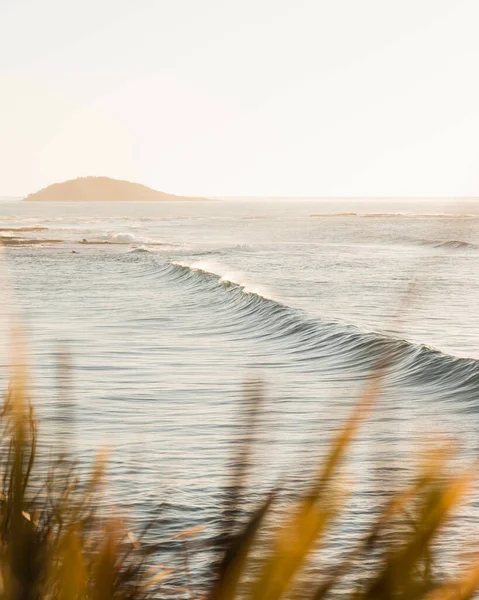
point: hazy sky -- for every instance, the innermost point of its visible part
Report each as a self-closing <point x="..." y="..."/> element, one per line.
<point x="244" y="97"/>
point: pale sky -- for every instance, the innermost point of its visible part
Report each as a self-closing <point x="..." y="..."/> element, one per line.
<point x="244" y="97"/>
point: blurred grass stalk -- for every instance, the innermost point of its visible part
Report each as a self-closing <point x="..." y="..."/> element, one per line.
<point x="55" y="545"/>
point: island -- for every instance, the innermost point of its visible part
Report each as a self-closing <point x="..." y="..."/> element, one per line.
<point x="102" y="189"/>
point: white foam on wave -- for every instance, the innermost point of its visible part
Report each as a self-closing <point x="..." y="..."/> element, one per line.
<point x="123" y="238"/>
<point x="127" y="238"/>
<point x="228" y="276"/>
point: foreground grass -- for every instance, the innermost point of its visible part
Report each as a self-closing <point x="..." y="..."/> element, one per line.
<point x="55" y="545"/>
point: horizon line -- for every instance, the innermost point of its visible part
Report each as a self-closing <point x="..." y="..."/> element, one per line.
<point x="307" y="197"/>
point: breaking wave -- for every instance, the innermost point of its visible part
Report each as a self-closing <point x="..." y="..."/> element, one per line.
<point x="448" y="244"/>
<point x="140" y="249"/>
<point x="121" y="238"/>
<point x="337" y="345"/>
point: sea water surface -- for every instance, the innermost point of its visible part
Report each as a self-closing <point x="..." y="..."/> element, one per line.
<point x="169" y="308"/>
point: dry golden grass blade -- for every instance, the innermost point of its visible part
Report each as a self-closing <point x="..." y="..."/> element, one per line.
<point x="18" y="392"/>
<point x="438" y="506"/>
<point x="105" y="569"/>
<point x="134" y="541"/>
<point x="155" y="579"/>
<point x="398" y="576"/>
<point x="463" y="589"/>
<point x="237" y="540"/>
<point x="305" y="529"/>
<point x="53" y="545"/>
<point x="291" y="547"/>
<point x="347" y="433"/>
<point x="189" y="533"/>
<point x="359" y="553"/>
<point x="69" y="573"/>
<point x="237" y="554"/>
<point x="252" y="400"/>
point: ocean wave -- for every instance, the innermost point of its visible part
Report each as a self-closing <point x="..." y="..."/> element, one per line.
<point x="121" y="238"/>
<point x="222" y="250"/>
<point x="456" y="245"/>
<point x="225" y="277"/>
<point x="140" y="249"/>
<point x="448" y="244"/>
<point x="337" y="345"/>
<point x="386" y="215"/>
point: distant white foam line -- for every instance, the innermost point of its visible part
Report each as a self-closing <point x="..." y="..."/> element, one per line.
<point x="226" y="276"/>
<point x="124" y="238"/>
<point x="127" y="238"/>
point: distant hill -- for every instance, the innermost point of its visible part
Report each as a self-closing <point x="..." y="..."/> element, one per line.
<point x="101" y="189"/>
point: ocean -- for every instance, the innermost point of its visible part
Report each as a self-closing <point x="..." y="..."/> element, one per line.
<point x="169" y="310"/>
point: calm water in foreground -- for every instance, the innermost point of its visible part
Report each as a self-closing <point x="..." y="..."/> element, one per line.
<point x="168" y="308"/>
